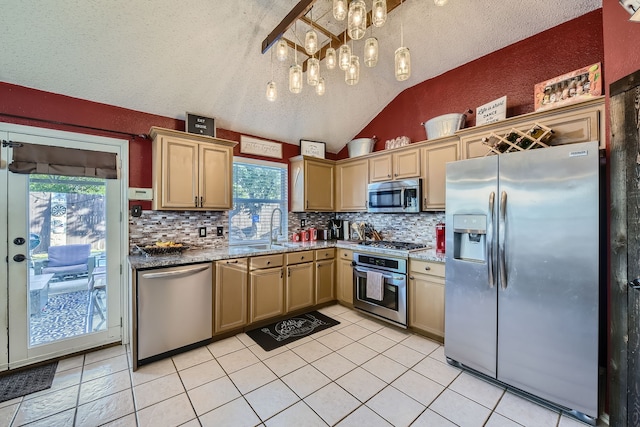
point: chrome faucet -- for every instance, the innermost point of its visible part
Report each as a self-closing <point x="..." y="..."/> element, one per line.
<point x="271" y="239"/>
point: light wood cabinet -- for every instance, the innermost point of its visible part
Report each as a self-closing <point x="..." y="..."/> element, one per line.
<point x="403" y="164"/>
<point x="325" y="275"/>
<point x="299" y="286"/>
<point x="191" y="172"/>
<point x="352" y="178"/>
<point x="426" y="297"/>
<point x="230" y="308"/>
<point x="345" y="276"/>
<point x="266" y="287"/>
<point x="580" y="122"/>
<point x="312" y="184"/>
<point x="434" y="175"/>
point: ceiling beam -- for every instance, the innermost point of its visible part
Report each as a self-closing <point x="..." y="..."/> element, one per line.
<point x="298" y="10"/>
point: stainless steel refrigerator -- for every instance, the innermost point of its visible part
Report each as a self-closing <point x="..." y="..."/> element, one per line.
<point x="522" y="271"/>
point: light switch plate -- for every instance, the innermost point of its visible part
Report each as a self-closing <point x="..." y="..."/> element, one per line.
<point x="140" y="193"/>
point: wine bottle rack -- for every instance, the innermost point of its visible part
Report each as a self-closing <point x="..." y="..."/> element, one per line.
<point x="514" y="140"/>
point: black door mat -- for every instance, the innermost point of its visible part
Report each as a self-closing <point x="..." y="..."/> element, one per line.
<point x="26" y="381"/>
<point x="287" y="331"/>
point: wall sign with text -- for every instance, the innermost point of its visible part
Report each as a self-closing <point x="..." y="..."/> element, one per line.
<point x="260" y="147"/>
<point x="492" y="112"/>
<point x="201" y="125"/>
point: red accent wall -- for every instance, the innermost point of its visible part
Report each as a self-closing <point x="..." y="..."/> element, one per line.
<point x="621" y="41"/>
<point x="511" y="71"/>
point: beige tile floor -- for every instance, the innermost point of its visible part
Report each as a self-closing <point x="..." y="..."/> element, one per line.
<point x="358" y="373"/>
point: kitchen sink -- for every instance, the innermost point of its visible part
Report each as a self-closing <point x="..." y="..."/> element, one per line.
<point x="265" y="246"/>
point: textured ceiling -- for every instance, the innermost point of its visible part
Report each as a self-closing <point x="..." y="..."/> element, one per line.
<point x="203" y="56"/>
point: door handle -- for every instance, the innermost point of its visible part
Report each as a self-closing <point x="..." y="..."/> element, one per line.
<point x="492" y="198"/>
<point x="195" y="201"/>
<point x="19" y="258"/>
<point x="503" y="239"/>
<point x="173" y="273"/>
<point x="201" y="201"/>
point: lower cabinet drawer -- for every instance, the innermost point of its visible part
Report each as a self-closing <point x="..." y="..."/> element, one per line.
<point x="298" y="257"/>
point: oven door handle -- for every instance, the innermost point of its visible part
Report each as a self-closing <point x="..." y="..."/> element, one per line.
<point x="386" y="276"/>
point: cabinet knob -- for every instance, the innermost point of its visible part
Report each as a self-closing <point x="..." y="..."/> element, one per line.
<point x="301" y="258"/>
<point x="427" y="268"/>
<point x="411" y="278"/>
<point x="388" y="176"/>
<point x="396" y="174"/>
<point x="195" y="201"/>
<point x="268" y="262"/>
<point x="201" y="201"/>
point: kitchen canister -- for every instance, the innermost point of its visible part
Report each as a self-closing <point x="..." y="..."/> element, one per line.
<point x="313" y="234"/>
<point x="305" y="235"/>
<point x="296" y="237"/>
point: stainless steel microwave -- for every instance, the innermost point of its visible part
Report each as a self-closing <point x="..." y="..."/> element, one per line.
<point x="394" y="196"/>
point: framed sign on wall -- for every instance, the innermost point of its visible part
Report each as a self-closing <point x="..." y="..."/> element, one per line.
<point x="200" y="125"/>
<point x="312" y="148"/>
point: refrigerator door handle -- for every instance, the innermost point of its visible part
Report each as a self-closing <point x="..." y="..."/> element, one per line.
<point x="492" y="198"/>
<point x="502" y="233"/>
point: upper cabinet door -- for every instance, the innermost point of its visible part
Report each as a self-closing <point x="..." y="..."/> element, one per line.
<point x="216" y="174"/>
<point x="319" y="186"/>
<point x="434" y="174"/>
<point x="406" y="164"/>
<point x="179" y="172"/>
<point x="381" y="168"/>
<point x="352" y="179"/>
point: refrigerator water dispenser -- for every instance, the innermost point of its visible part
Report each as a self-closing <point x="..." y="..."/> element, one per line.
<point x="469" y="237"/>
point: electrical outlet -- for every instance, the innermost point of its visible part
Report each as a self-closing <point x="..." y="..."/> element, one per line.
<point x="220" y="231"/>
<point x="303" y="222"/>
<point x="202" y="231"/>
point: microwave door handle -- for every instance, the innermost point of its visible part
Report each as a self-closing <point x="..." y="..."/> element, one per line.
<point x="403" y="200"/>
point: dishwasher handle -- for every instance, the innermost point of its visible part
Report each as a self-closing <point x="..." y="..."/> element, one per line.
<point x="162" y="275"/>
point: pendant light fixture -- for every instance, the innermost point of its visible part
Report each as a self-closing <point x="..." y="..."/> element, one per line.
<point x="330" y="57"/>
<point x="402" y="57"/>
<point x="352" y="75"/>
<point x="379" y="12"/>
<point x="272" y="91"/>
<point x="357" y="19"/>
<point x="440" y="2"/>
<point x="344" y="55"/>
<point x="340" y="9"/>
<point x="295" y="71"/>
<point x="313" y="71"/>
<point x="371" y="52"/>
<point x="311" y="39"/>
<point x="320" y="87"/>
<point x="282" y="50"/>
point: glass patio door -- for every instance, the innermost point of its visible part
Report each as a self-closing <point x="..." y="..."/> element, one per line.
<point x="64" y="245"/>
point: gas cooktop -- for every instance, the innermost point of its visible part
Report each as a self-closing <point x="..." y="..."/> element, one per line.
<point x="400" y="246"/>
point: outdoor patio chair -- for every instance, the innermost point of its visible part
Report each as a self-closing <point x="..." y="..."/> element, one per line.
<point x="68" y="260"/>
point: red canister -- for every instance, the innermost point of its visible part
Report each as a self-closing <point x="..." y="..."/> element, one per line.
<point x="313" y="234"/>
<point x="440" y="238"/>
<point x="296" y="237"/>
<point x="305" y="235"/>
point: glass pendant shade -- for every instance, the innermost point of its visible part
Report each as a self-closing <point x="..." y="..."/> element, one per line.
<point x="379" y="12"/>
<point x="352" y="75"/>
<point x="282" y="50"/>
<point x="403" y="64"/>
<point x="311" y="42"/>
<point x="272" y="91"/>
<point x="313" y="71"/>
<point x="344" y="56"/>
<point x="440" y="2"/>
<point x="295" y="78"/>
<point x="371" y="52"/>
<point x="320" y="87"/>
<point x="330" y="58"/>
<point x="339" y="9"/>
<point x="357" y="19"/>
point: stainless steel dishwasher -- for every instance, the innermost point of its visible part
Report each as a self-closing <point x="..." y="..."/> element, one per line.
<point x="174" y="308"/>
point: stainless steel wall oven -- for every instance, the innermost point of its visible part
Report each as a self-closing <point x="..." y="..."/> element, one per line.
<point x="392" y="307"/>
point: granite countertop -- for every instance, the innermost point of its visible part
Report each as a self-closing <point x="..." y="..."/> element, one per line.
<point x="192" y="256"/>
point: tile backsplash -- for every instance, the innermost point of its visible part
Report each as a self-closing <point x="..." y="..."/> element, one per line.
<point x="183" y="226"/>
